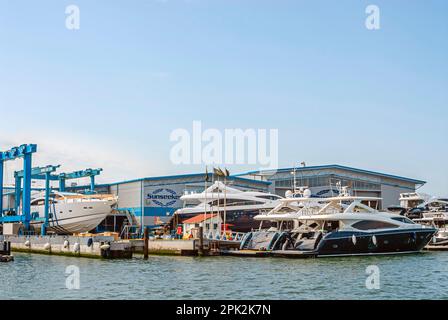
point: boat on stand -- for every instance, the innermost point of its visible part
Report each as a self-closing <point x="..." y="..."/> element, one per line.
<point x="72" y="212"/>
<point x="338" y="226"/>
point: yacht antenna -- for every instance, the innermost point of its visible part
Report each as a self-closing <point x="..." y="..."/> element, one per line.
<point x="331" y="187"/>
<point x="294" y="187"/>
<point x="205" y="191"/>
<point x="295" y="179"/>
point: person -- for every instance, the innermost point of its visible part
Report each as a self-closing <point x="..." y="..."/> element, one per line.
<point x="179" y="232"/>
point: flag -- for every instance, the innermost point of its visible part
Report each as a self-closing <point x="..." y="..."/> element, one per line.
<point x="227" y="172"/>
<point x="218" y="172"/>
<point x="207" y="177"/>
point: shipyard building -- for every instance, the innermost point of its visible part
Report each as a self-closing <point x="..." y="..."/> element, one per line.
<point x="153" y="200"/>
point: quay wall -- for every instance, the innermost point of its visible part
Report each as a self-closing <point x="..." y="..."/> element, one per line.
<point x="166" y="247"/>
<point x="56" y="245"/>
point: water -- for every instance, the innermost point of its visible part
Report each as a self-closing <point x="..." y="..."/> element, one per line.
<point x="416" y="276"/>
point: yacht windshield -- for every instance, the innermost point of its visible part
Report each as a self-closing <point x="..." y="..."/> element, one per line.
<point x="403" y="219"/>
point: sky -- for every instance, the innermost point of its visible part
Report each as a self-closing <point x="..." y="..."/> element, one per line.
<point x="110" y="94"/>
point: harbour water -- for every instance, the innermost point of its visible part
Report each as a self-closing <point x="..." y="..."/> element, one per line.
<point x="414" y="276"/>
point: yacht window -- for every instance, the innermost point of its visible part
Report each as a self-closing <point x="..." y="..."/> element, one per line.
<point x="272" y="197"/>
<point x="234" y="202"/>
<point x="403" y="219"/>
<point x="286" y="210"/>
<point x="331" y="225"/>
<point x="41" y="202"/>
<point x="371" y="224"/>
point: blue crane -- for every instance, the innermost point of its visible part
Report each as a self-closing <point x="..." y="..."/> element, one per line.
<point x="24" y="151"/>
<point x="77" y="175"/>
<point x="39" y="173"/>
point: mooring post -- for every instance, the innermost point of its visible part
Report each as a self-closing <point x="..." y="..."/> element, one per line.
<point x="145" y="244"/>
<point x="201" y="240"/>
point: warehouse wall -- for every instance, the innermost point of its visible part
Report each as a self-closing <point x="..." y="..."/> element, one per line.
<point x="129" y="195"/>
<point x="391" y="194"/>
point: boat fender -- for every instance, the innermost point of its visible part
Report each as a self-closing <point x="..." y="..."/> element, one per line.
<point x="89" y="242"/>
<point x="374" y="240"/>
<point x="354" y="239"/>
<point x="66" y="244"/>
<point x="27" y="243"/>
<point x="47" y="246"/>
<point x="76" y="247"/>
<point x="434" y="239"/>
<point x="105" y="246"/>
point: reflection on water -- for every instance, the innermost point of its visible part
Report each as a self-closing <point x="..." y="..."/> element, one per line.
<point x="416" y="276"/>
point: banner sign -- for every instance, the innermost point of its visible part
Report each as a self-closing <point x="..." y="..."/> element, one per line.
<point x="163" y="197"/>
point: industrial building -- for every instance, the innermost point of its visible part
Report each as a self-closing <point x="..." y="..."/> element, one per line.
<point x="158" y="197"/>
<point x="150" y="201"/>
<point x="324" y="180"/>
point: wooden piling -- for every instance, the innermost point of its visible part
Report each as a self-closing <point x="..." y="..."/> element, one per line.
<point x="6" y="248"/>
<point x="145" y="244"/>
<point x="201" y="241"/>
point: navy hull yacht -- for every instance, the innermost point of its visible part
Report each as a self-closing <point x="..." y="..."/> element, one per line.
<point x="343" y="225"/>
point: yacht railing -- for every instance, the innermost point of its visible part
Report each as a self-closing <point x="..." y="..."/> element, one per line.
<point x="129" y="232"/>
<point x="224" y="236"/>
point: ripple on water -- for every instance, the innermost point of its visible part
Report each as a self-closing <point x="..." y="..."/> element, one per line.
<point x="417" y="276"/>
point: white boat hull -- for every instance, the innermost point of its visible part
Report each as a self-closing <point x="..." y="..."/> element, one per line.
<point x="74" y="217"/>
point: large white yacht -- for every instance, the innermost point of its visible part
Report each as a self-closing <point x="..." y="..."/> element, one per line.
<point x="239" y="207"/>
<point x="343" y="225"/>
<point x="434" y="212"/>
<point x="72" y="212"/>
<point x="413" y="199"/>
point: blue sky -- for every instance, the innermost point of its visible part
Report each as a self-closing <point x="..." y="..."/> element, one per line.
<point x="111" y="93"/>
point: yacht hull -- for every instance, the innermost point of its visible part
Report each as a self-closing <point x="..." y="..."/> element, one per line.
<point x="76" y="217"/>
<point x="387" y="242"/>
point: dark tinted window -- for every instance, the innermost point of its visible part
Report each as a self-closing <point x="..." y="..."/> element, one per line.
<point x="403" y="219"/>
<point x="370" y="224"/>
<point x="269" y="197"/>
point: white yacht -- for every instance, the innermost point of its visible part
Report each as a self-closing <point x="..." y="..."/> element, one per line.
<point x="239" y="207"/>
<point x="343" y="225"/>
<point x="434" y="212"/>
<point x="72" y="212"/>
<point x="413" y="199"/>
<point x="409" y="203"/>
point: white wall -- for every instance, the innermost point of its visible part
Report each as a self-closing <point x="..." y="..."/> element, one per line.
<point x="129" y="195"/>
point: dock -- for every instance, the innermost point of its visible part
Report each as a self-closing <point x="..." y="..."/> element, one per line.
<point x="191" y="247"/>
<point x="74" y="246"/>
<point x="436" y="248"/>
<point x="246" y="253"/>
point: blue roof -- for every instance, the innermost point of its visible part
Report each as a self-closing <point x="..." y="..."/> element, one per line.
<point x="193" y="175"/>
<point x="336" y="166"/>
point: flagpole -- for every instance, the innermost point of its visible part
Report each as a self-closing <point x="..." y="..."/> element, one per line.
<point x="213" y="198"/>
<point x="225" y="206"/>
<point x="205" y="190"/>
<point x="218" y="215"/>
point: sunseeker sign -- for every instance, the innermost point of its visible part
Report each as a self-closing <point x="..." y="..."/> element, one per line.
<point x="162" y="197"/>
